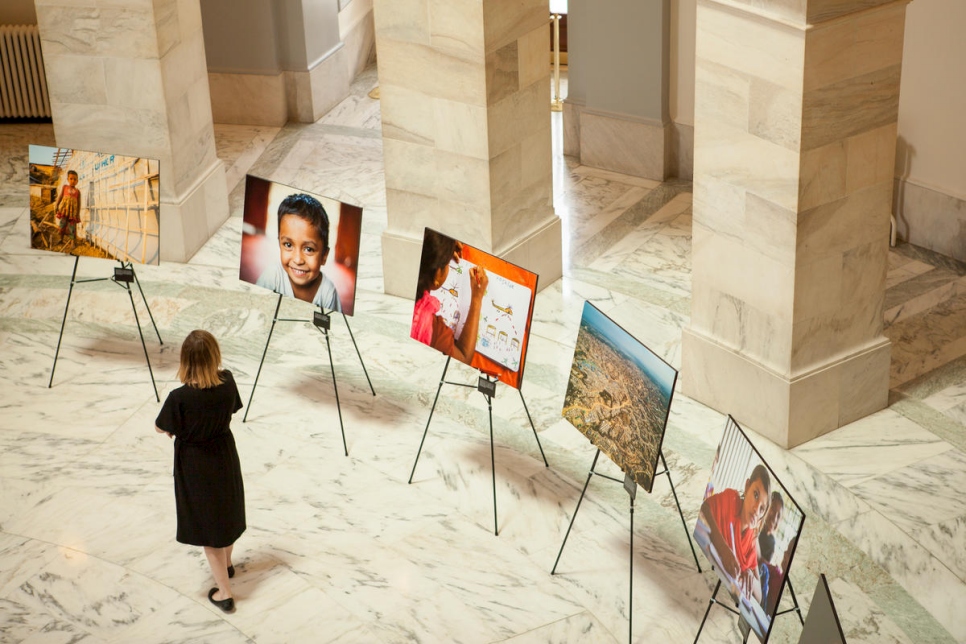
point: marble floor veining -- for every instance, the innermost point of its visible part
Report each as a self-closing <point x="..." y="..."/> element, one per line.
<point x="342" y="549"/>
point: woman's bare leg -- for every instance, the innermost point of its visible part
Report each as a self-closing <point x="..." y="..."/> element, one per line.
<point x="218" y="560"/>
<point x="228" y="554"/>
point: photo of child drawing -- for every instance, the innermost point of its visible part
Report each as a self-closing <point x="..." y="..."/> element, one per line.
<point x="748" y="528"/>
<point x="94" y="204"/>
<point x="473" y="306"/>
<point x="300" y="245"/>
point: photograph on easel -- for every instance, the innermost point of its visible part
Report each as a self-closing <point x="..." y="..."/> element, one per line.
<point x="94" y="204"/>
<point x="300" y="244"/>
<point x="619" y="395"/>
<point x="473" y="306"/>
<point x="748" y="528"/>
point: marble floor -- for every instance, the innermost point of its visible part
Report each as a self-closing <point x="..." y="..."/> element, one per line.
<point x="342" y="549"/>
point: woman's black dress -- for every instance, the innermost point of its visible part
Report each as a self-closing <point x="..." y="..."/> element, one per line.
<point x="208" y="490"/>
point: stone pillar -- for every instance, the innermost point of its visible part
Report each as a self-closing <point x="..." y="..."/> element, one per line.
<point x="795" y="137"/>
<point x="616" y="112"/>
<point x="130" y="78"/>
<point x="465" y="94"/>
<point x="272" y="62"/>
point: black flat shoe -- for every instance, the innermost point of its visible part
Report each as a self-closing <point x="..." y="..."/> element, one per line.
<point x="227" y="605"/>
<point x="231" y="571"/>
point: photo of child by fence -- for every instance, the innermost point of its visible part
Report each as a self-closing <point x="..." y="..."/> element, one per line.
<point x="748" y="528"/>
<point x="94" y="204"/>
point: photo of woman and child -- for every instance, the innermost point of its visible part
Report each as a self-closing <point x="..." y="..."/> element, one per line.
<point x="748" y="527"/>
<point x="312" y="230"/>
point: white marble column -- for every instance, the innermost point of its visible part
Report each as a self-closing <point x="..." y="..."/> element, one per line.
<point x="130" y="78"/>
<point x="795" y="135"/>
<point x="466" y="131"/>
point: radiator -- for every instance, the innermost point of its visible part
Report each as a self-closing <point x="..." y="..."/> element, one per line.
<point x="23" y="85"/>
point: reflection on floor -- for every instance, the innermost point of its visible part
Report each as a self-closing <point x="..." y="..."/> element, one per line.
<point x="342" y="549"/>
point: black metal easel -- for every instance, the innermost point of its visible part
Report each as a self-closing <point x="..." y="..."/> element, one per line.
<point x="321" y="321"/>
<point x="487" y="387"/>
<point x="711" y="602"/>
<point x="123" y="276"/>
<point x="631" y="488"/>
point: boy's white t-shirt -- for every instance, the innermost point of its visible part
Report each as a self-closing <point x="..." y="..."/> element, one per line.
<point x="275" y="278"/>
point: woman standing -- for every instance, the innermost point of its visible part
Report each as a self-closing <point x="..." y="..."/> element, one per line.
<point x="208" y="490"/>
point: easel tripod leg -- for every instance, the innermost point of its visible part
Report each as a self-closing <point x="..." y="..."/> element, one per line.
<point x="73" y="277"/>
<point x="710" y="604"/>
<point x="574" y="517"/>
<point x="442" y="379"/>
<point x="146" y="305"/>
<point x="364" y="370"/>
<point x="630" y="591"/>
<point x="259" y="372"/>
<point x="687" y="534"/>
<point x="335" y="387"/>
<point x="535" y="435"/>
<point x="137" y="323"/>
<point x="489" y="409"/>
<point x="798" y="609"/>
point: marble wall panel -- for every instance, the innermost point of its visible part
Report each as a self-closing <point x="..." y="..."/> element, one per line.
<point x="403" y="21"/>
<point x="423" y="69"/>
<point x="75" y="79"/>
<point x="762" y="49"/>
<point x="134" y="82"/>
<point x="819" y="10"/>
<point x="536" y="162"/>
<point x="871" y="157"/>
<point x="456" y="26"/>
<point x="410" y="167"/>
<point x="761" y="167"/>
<point x="108" y="128"/>
<point x="248" y="99"/>
<point x="459" y="128"/>
<point x="416" y="211"/>
<point x="502" y="73"/>
<point x="461" y="178"/>
<point x="932" y="219"/>
<point x="839" y="110"/>
<point x="836" y="227"/>
<point x="528" y="211"/>
<point x="774" y="113"/>
<point x="516" y="117"/>
<point x="533" y="48"/>
<point x="468" y="221"/>
<point x="623" y="145"/>
<point x="93" y="30"/>
<point x="823" y="175"/>
<point x="864" y="383"/>
<point x="326" y="85"/>
<point x="860" y="45"/>
<point x="504" y="21"/>
<point x="407" y="114"/>
<point x="167" y="26"/>
<point x="724" y="95"/>
<point x="184" y="65"/>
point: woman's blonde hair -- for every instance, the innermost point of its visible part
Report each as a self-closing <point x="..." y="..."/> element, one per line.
<point x="200" y="359"/>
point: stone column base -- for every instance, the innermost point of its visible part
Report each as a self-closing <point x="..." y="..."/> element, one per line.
<point x="189" y="220"/>
<point x="541" y="252"/>
<point x="787" y="411"/>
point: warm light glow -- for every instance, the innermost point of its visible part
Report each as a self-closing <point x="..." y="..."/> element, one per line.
<point x="558" y="6"/>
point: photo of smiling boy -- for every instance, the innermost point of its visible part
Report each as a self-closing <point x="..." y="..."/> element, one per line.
<point x="303" y="243"/>
<point x="300" y="244"/>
